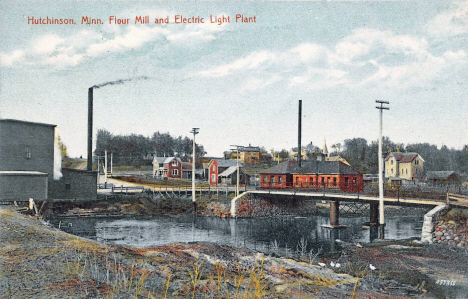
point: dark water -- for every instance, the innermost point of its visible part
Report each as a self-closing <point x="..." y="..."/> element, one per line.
<point x="282" y="235"/>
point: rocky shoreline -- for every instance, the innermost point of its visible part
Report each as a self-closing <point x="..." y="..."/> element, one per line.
<point x="451" y="229"/>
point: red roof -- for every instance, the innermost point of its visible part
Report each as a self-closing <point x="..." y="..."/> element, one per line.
<point x="402" y="157"/>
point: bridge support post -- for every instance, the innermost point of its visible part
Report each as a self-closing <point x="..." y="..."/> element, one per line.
<point x="335" y="213"/>
<point x="374" y="214"/>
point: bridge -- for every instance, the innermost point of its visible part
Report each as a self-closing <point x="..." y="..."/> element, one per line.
<point x="456" y="200"/>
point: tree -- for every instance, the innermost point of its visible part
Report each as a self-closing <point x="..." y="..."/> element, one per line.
<point x="62" y="147"/>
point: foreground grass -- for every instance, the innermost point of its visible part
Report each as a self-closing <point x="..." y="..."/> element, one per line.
<point x="39" y="262"/>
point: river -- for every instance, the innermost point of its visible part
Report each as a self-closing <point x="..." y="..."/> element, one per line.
<point x="281" y="234"/>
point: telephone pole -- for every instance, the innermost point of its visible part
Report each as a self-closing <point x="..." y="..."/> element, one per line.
<point x="381" y="195"/>
<point x="195" y="131"/>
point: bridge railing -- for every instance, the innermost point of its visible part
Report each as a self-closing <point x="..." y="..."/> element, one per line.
<point x="409" y="191"/>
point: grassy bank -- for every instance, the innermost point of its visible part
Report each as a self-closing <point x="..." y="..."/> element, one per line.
<point x="40" y="262"/>
<point x="37" y="261"/>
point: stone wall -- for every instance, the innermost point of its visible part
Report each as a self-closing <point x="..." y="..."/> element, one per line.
<point x="430" y="220"/>
<point x="452" y="231"/>
<point x="442" y="227"/>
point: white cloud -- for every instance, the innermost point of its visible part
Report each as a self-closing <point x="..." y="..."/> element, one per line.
<point x="47" y="44"/>
<point x="135" y="38"/>
<point x="71" y="50"/>
<point x="308" y="52"/>
<point x="251" y="61"/>
<point x="367" y="57"/>
<point x="10" y="59"/>
<point x="364" y="42"/>
<point x="253" y="83"/>
<point x="316" y="79"/>
<point x="64" y="60"/>
<point x="450" y="23"/>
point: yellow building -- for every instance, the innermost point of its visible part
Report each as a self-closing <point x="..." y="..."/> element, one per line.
<point x="404" y="166"/>
<point x="250" y="154"/>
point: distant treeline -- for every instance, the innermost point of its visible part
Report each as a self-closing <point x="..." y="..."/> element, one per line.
<point x="363" y="155"/>
<point x="135" y="146"/>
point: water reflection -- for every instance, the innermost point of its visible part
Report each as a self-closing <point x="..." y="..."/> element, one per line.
<point x="282" y="235"/>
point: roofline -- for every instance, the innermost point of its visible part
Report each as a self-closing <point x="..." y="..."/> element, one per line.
<point x="26" y="122"/>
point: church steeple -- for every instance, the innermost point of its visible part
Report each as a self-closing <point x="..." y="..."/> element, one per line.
<point x="325" y="149"/>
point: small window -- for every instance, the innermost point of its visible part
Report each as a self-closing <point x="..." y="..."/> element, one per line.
<point x="280" y="180"/>
<point x="334" y="181"/>
<point x="175" y="172"/>
<point x="175" y="163"/>
<point x="265" y="179"/>
<point x="346" y="181"/>
<point x="27" y="152"/>
<point x="213" y="177"/>
<point x="272" y="180"/>
<point x="68" y="186"/>
<point x="391" y="162"/>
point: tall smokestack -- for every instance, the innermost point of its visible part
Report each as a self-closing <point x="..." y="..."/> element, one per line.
<point x="90" y="129"/>
<point x="299" y="133"/>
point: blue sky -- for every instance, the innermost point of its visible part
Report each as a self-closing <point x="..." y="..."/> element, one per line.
<point x="240" y="82"/>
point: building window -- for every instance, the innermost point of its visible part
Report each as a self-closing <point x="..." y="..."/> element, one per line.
<point x="406" y="170"/>
<point x="175" y="163"/>
<point x="280" y="180"/>
<point x="323" y="181"/>
<point x="265" y="179"/>
<point x="346" y="181"/>
<point x="334" y="181"/>
<point x="391" y="162"/>
<point x="213" y="177"/>
<point x="272" y="180"/>
<point x="67" y="186"/>
<point x="27" y="152"/>
<point x="175" y="172"/>
<point x="354" y="182"/>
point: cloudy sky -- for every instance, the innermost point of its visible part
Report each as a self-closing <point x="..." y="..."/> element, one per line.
<point x="240" y="82"/>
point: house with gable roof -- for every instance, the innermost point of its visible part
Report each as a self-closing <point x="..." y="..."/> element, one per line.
<point x="222" y="168"/>
<point x="167" y="167"/>
<point x="407" y="167"/>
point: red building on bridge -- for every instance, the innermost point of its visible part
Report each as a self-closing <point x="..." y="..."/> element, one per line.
<point x="312" y="175"/>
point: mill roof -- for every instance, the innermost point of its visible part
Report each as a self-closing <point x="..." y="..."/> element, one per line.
<point x="6" y="120"/>
<point x="326" y="167"/>
<point x="282" y="168"/>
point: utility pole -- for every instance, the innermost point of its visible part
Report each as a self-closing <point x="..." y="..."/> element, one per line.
<point x="299" y="134"/>
<point x="105" y="169"/>
<point x="237" y="164"/>
<point x="194" y="131"/>
<point x="381" y="195"/>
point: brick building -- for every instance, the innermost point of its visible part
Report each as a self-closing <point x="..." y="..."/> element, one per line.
<point x="314" y="174"/>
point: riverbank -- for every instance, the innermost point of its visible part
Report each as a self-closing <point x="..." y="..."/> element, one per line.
<point x="37" y="261"/>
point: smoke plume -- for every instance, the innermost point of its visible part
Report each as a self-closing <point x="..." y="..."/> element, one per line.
<point x="120" y="81"/>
